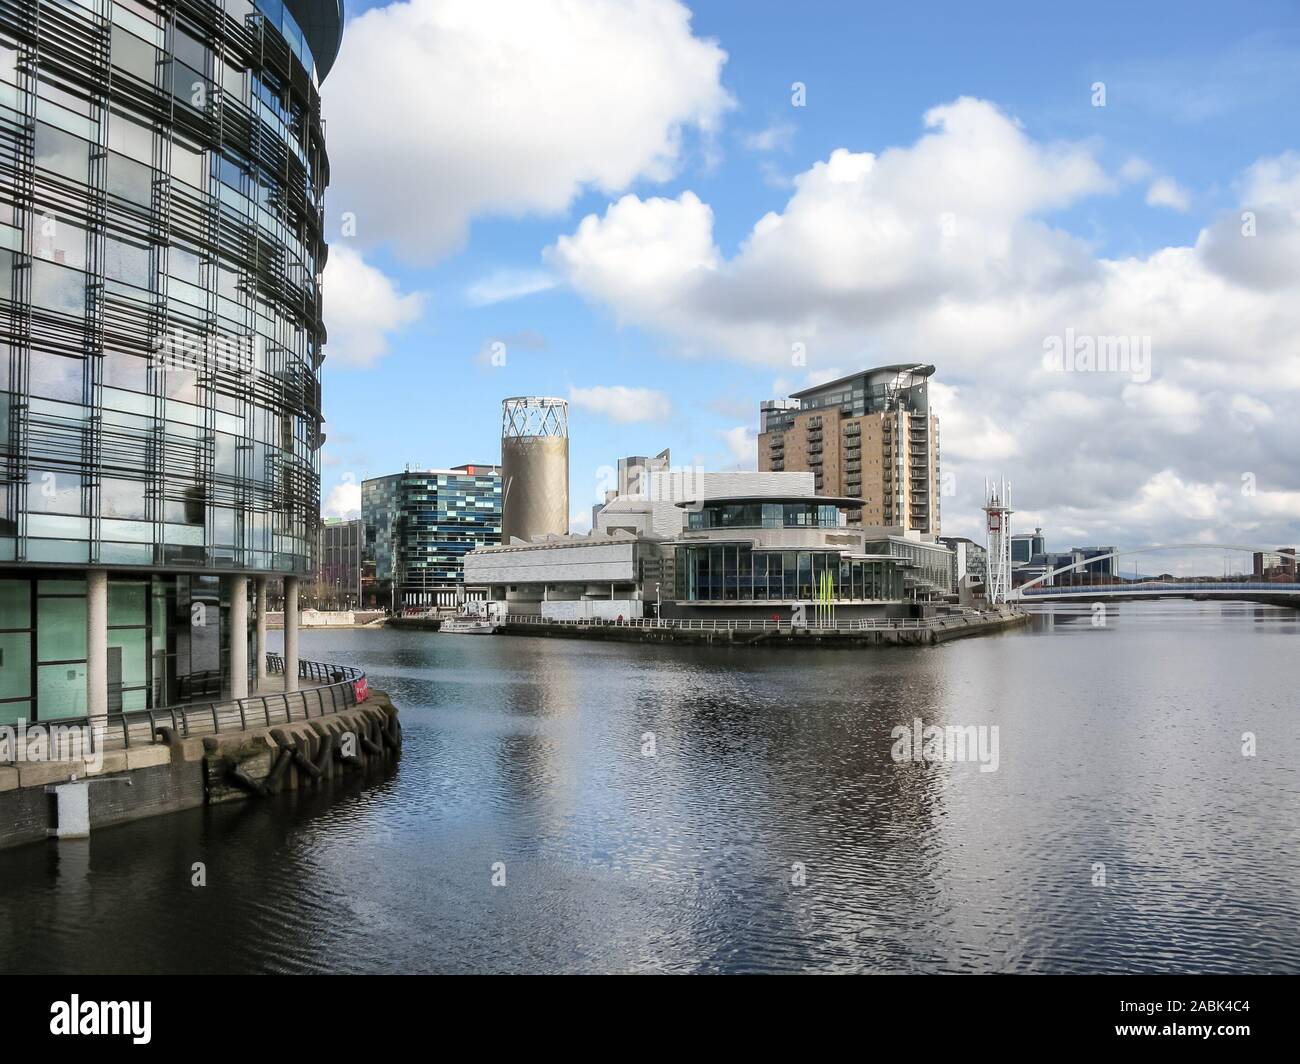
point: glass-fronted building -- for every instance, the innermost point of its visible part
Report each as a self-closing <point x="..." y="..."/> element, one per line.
<point x="1026" y="546"/>
<point x="339" y="549"/>
<point x="775" y="551"/>
<point x="739" y="572"/>
<point x="162" y="169"/>
<point x="420" y="524"/>
<point x="927" y="565"/>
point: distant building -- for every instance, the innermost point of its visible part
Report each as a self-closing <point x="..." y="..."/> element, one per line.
<point x="1040" y="565"/>
<point x="970" y="560"/>
<point x="1026" y="547"/>
<point x="633" y="478"/>
<point x="653" y="510"/>
<point x="339" y="548"/>
<point x="1102" y="567"/>
<point x="1275" y="565"/>
<point x="868" y="436"/>
<point x="742" y="544"/>
<point x="634" y="470"/>
<point x="420" y="524"/>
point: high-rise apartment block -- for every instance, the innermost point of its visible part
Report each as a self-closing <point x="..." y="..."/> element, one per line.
<point x="868" y="436"/>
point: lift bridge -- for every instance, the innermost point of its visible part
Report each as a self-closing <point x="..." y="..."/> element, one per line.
<point x="1044" y="589"/>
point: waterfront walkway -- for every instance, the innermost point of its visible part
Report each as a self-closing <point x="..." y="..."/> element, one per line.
<point x="322" y="689"/>
<point x="749" y="632"/>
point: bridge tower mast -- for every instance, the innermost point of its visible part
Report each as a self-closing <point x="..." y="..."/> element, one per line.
<point x="997" y="508"/>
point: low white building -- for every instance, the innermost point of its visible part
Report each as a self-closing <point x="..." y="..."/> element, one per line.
<point x="767" y="551"/>
<point x="627" y="559"/>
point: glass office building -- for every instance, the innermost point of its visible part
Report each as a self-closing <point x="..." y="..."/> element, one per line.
<point x="420" y="524"/>
<point x="759" y="514"/>
<point x="339" y="550"/>
<point x="162" y="169"/>
<point x="740" y="572"/>
<point x="779" y="550"/>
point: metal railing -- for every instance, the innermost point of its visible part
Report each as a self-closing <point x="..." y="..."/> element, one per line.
<point x="1147" y="586"/>
<point x="752" y="625"/>
<point x="335" y="689"/>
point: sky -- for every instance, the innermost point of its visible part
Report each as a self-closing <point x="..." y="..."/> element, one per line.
<point x="666" y="213"/>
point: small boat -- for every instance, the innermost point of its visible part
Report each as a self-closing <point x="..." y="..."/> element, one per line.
<point x="468" y="625"/>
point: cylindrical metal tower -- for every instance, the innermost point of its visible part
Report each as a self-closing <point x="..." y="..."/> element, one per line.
<point x="534" y="467"/>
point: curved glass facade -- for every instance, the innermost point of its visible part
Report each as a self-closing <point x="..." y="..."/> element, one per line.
<point x="162" y="170"/>
<point x="160" y="243"/>
<point x="735" y="572"/>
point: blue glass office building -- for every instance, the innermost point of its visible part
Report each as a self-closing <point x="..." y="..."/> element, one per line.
<point x="420" y="524"/>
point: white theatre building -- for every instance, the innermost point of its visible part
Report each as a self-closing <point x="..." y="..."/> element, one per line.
<point x="692" y="543"/>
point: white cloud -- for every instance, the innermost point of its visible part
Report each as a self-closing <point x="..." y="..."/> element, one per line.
<point x="642" y="255"/>
<point x="1162" y="191"/>
<point x="821" y="376"/>
<point x="362" y="308"/>
<point x="343" y="500"/>
<point x="967" y="433"/>
<point x="776" y="137"/>
<point x="943" y="251"/>
<point x="1166" y="494"/>
<point x="621" y="403"/>
<point x="1177" y="408"/>
<point x="1258" y="246"/>
<point x="1166" y="192"/>
<point x="444" y="110"/>
<point x="505" y="285"/>
<point x="1136" y="169"/>
<point x="1250" y="410"/>
<point x="864" y="240"/>
<point x="742" y="444"/>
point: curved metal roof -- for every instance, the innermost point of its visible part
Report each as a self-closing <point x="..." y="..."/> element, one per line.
<point x="321" y="22"/>
<point x="917" y="369"/>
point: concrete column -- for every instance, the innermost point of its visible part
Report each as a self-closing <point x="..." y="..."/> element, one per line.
<point x="238" y="637"/>
<point x="291" y="633"/>
<point x="259" y="640"/>
<point x="96" y="642"/>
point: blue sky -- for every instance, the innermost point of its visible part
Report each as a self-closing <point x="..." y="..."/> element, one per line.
<point x="1196" y="96"/>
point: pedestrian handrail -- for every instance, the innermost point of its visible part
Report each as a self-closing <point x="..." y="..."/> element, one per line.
<point x="1262" y="587"/>
<point x="337" y="688"/>
<point x="858" y="624"/>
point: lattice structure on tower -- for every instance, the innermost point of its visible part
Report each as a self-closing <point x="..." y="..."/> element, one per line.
<point x="997" y="509"/>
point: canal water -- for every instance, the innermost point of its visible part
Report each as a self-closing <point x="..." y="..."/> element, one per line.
<point x="572" y="806"/>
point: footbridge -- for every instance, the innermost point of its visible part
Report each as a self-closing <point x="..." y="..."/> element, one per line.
<point x="1116" y="588"/>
